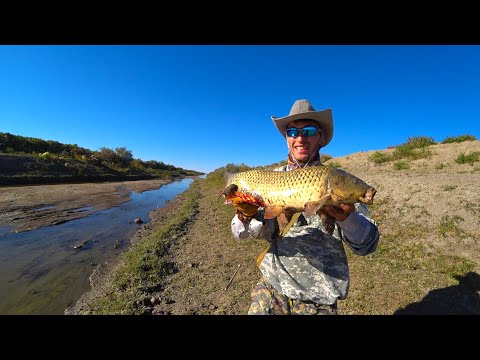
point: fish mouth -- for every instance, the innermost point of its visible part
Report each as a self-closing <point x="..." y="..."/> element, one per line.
<point x="368" y="197"/>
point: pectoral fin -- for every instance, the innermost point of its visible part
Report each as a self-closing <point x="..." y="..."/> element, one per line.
<point x="311" y="207"/>
<point x="272" y="212"/>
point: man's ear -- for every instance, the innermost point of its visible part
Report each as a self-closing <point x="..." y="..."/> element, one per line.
<point x="322" y="138"/>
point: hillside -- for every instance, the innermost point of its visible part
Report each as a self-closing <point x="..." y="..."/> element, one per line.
<point x="427" y="261"/>
<point x="25" y="160"/>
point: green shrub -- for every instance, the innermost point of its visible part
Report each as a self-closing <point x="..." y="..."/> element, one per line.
<point x="458" y="139"/>
<point x="335" y="164"/>
<point x="325" y="157"/>
<point x="405" y="151"/>
<point x="419" y="142"/>
<point x="401" y="165"/>
<point x="468" y="158"/>
<point x="379" y="157"/>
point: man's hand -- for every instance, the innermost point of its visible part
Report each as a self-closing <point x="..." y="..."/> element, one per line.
<point x="245" y="210"/>
<point x="339" y="212"/>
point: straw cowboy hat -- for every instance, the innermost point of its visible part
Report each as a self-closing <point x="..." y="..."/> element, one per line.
<point x="302" y="109"/>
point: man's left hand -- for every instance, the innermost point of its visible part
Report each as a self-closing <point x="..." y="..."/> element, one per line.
<point x="339" y="212"/>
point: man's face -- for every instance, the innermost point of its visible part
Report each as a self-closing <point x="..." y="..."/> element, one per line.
<point x="303" y="145"/>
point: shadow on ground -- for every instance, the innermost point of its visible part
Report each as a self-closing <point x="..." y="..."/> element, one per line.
<point x="461" y="299"/>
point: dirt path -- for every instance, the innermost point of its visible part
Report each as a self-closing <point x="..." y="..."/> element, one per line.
<point x="30" y="207"/>
<point x="215" y="273"/>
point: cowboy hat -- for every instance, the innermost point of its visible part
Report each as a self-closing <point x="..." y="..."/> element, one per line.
<point x="302" y="109"/>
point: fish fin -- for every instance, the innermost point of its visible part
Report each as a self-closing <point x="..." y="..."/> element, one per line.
<point x="311" y="207"/>
<point x="272" y="212"/>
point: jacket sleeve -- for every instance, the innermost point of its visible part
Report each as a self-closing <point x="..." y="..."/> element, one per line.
<point x="359" y="231"/>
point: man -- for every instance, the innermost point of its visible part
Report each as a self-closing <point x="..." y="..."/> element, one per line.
<point x="305" y="270"/>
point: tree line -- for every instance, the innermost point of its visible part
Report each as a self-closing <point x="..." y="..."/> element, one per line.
<point x="119" y="157"/>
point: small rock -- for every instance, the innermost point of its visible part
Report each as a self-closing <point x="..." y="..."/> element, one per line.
<point x="138" y="221"/>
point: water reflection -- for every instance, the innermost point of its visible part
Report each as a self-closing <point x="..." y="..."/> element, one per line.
<point x="46" y="208"/>
<point x="43" y="271"/>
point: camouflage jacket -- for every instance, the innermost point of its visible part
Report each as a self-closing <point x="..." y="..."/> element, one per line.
<point x="307" y="263"/>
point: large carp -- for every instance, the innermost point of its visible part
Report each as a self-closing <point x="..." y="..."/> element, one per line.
<point x="306" y="189"/>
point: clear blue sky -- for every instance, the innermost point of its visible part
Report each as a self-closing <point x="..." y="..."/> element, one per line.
<point x="200" y="107"/>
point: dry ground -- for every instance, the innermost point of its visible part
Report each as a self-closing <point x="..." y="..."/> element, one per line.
<point x="427" y="260"/>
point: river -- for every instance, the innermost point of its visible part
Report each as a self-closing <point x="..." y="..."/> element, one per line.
<point x="42" y="273"/>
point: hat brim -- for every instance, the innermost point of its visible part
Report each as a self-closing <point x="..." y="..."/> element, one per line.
<point x="323" y="118"/>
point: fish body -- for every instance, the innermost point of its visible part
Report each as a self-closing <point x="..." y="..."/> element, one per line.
<point x="306" y="189"/>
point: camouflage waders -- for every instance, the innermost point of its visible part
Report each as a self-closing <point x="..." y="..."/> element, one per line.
<point x="268" y="301"/>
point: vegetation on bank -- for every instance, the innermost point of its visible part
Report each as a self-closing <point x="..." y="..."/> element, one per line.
<point x="31" y="160"/>
<point x="418" y="148"/>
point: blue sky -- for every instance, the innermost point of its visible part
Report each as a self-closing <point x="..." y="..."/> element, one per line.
<point x="200" y="107"/>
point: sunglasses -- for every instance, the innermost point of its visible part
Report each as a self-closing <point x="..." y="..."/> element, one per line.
<point x="307" y="131"/>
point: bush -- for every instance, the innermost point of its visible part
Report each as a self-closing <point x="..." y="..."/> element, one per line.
<point x="406" y="152"/>
<point x="458" y="139"/>
<point x="401" y="165"/>
<point x="325" y="157"/>
<point x="419" y="142"/>
<point x="379" y="157"/>
<point x="468" y="158"/>
<point x="335" y="164"/>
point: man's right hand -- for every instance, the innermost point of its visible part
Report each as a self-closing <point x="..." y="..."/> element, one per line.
<point x="244" y="210"/>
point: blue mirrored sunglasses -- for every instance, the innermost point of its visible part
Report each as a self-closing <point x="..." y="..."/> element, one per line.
<point x="307" y="131"/>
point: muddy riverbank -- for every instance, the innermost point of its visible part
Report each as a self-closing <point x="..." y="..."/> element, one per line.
<point x="24" y="208"/>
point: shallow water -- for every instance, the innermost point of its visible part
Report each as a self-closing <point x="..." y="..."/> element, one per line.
<point x="41" y="272"/>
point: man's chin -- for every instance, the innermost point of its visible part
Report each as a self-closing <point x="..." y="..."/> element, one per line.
<point x="302" y="158"/>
